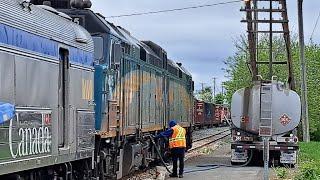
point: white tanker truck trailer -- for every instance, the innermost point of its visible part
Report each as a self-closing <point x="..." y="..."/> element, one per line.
<point x="267" y="109"/>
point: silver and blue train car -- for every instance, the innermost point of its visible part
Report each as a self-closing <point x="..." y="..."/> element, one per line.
<point x="47" y="75"/>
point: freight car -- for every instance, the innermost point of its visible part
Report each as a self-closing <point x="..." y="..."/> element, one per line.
<point x="222" y="113"/>
<point x="209" y="114"/>
<point x="85" y="114"/>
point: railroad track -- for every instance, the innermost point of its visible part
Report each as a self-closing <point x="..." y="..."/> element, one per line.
<point x="199" y="143"/>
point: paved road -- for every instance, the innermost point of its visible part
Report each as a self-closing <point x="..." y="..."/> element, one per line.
<point x="225" y="173"/>
<point x="220" y="154"/>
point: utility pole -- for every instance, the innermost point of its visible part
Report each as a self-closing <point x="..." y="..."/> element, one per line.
<point x="223" y="92"/>
<point x="222" y="89"/>
<point x="304" y="91"/>
<point x="214" y="89"/>
<point x="202" y="86"/>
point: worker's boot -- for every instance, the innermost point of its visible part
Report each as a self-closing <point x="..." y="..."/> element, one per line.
<point x="181" y="176"/>
<point x="173" y="175"/>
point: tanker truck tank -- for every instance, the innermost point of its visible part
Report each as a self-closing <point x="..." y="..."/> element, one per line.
<point x="285" y="103"/>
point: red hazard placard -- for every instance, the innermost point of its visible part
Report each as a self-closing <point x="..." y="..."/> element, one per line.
<point x="47" y="119"/>
<point x="285" y="119"/>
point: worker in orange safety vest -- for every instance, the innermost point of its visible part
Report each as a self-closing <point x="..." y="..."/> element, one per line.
<point x="177" y="145"/>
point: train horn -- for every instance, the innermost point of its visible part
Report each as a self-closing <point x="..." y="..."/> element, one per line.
<point x="81" y="4"/>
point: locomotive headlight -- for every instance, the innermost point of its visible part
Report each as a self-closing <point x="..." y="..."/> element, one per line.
<point x="238" y="133"/>
<point x="108" y="140"/>
<point x="291" y="135"/>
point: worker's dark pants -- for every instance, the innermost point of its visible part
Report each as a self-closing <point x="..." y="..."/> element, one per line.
<point x="178" y="154"/>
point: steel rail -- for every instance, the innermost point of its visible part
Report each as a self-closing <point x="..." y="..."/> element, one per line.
<point x="215" y="137"/>
<point x="217" y="133"/>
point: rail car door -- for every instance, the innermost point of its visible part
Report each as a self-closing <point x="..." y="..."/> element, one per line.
<point x="63" y="97"/>
<point x="164" y="99"/>
<point x="139" y="101"/>
<point x="167" y="102"/>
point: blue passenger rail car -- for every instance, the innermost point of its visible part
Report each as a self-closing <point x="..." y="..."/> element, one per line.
<point x="47" y="75"/>
<point x="137" y="91"/>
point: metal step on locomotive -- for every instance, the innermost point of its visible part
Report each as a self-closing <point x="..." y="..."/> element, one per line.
<point x="266" y="115"/>
<point x="87" y="94"/>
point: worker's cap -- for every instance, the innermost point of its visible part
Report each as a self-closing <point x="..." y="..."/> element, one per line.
<point x="172" y="123"/>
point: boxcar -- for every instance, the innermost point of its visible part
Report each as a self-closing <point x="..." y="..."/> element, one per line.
<point x="209" y="117"/>
<point x="199" y="114"/>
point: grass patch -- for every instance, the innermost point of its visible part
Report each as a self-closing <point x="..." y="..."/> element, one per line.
<point x="309" y="161"/>
<point x="207" y="150"/>
<point x="281" y="172"/>
<point x="310" y="151"/>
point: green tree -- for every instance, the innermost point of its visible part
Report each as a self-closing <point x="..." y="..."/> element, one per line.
<point x="205" y="95"/>
<point x="220" y="98"/>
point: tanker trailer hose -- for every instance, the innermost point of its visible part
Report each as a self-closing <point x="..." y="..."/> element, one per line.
<point x="159" y="154"/>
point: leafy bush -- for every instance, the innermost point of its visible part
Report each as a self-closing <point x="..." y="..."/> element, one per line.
<point x="281" y="172"/>
<point x="309" y="171"/>
<point x="309" y="161"/>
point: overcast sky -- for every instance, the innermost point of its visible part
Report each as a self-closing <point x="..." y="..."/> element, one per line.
<point x="199" y="38"/>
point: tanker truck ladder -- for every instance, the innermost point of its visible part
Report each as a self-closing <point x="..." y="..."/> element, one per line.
<point x="265" y="127"/>
<point x="261" y="14"/>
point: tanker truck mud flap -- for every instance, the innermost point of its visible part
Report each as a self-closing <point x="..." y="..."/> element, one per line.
<point x="240" y="156"/>
<point x="288" y="157"/>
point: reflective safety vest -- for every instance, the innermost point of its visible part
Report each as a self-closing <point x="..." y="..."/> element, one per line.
<point x="178" y="138"/>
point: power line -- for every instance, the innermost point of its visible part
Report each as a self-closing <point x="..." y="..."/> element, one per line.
<point x="315" y="27"/>
<point x="176" y="9"/>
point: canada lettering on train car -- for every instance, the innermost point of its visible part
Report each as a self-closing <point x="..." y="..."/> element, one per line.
<point x="32" y="141"/>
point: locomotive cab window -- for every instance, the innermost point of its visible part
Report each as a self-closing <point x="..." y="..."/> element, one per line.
<point x="117" y="53"/>
<point x="98" y="48"/>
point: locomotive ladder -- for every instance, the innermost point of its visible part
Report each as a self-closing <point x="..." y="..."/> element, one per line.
<point x="259" y="15"/>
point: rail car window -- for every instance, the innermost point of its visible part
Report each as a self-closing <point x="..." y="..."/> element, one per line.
<point x="98" y="48"/>
<point x="165" y="61"/>
<point x="127" y="47"/>
<point x="155" y="61"/>
<point x="143" y="54"/>
<point x="192" y="86"/>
